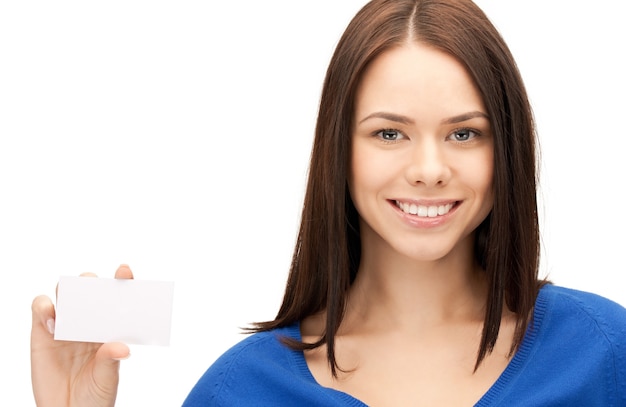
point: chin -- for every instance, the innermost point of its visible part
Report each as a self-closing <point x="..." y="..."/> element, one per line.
<point x="432" y="251"/>
<point x="426" y="256"/>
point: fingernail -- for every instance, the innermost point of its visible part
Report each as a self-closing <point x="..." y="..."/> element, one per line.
<point x="122" y="358"/>
<point x="50" y="325"/>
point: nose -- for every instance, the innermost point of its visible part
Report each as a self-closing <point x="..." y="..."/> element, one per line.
<point x="428" y="165"/>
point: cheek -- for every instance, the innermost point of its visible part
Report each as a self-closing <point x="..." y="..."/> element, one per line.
<point x="484" y="179"/>
<point x="476" y="172"/>
<point x="356" y="179"/>
<point x="369" y="170"/>
<point x="362" y="177"/>
<point x="358" y="169"/>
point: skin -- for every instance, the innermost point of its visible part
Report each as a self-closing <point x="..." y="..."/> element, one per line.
<point x="72" y="373"/>
<point x="414" y="317"/>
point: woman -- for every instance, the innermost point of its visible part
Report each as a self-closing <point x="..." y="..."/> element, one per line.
<point x="415" y="269"/>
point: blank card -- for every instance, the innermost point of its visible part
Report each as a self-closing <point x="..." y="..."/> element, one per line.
<point x="92" y="309"/>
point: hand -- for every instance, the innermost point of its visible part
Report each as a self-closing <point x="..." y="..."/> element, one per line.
<point x="72" y="374"/>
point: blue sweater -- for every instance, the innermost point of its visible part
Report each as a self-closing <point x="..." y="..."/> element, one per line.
<point x="574" y="354"/>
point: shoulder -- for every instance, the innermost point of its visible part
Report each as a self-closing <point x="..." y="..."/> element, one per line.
<point x="608" y="316"/>
<point x="240" y="365"/>
<point x="583" y="318"/>
<point x="260" y="370"/>
<point x="582" y="336"/>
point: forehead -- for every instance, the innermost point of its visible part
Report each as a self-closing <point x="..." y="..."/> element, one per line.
<point x="417" y="80"/>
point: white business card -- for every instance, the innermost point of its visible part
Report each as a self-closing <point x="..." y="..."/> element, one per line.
<point x="132" y="311"/>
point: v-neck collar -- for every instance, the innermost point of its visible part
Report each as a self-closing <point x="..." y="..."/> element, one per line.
<point x="491" y="397"/>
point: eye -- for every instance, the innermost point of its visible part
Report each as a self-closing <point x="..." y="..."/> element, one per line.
<point x="462" y="135"/>
<point x="389" y="135"/>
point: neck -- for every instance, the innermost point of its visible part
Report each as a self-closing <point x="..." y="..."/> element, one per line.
<point x="394" y="292"/>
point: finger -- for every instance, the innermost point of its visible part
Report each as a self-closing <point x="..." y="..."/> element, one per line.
<point x="107" y="365"/>
<point x="114" y="350"/>
<point x="43" y="317"/>
<point x="41" y="340"/>
<point x="123" y="271"/>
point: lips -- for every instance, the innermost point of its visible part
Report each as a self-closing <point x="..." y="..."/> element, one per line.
<point x="424" y="211"/>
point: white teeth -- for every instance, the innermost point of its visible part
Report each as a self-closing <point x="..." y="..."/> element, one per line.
<point x="423" y="210"/>
<point x="442" y="209"/>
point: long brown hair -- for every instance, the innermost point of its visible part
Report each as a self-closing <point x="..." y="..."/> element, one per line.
<point x="327" y="252"/>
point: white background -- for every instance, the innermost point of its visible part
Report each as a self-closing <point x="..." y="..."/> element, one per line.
<point x="174" y="136"/>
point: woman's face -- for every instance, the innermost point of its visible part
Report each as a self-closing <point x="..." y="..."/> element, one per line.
<point x="422" y="154"/>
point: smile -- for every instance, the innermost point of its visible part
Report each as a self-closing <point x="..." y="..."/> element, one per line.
<point x="424" y="211"/>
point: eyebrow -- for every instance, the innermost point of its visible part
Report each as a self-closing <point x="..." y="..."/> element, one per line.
<point x="407" y="120"/>
<point x="464" y="117"/>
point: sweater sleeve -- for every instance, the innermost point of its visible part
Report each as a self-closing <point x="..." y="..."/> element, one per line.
<point x="610" y="318"/>
<point x="612" y="322"/>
